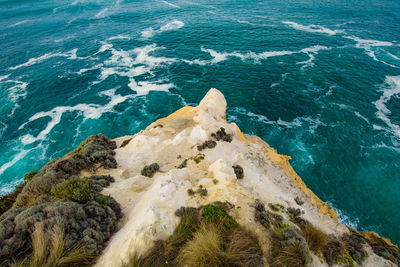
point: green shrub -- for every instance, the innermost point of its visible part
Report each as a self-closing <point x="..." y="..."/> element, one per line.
<point x="29" y="175"/>
<point x="75" y="189"/>
<point x="103" y="200"/>
<point x="218" y="215"/>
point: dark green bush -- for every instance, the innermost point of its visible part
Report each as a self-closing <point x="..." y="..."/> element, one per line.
<point x="29" y="175"/>
<point x="75" y="189"/>
<point x="218" y="215"/>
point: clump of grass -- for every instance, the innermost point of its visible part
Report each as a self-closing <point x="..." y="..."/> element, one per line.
<point x="205" y="249"/>
<point x="204" y="240"/>
<point x="288" y="248"/>
<point x="210" y="247"/>
<point x="76" y="189"/>
<point x="316" y="239"/>
<point x="291" y="255"/>
<point x="49" y="250"/>
<point x="244" y="248"/>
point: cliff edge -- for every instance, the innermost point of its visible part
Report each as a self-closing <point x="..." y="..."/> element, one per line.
<point x="189" y="190"/>
<point x="199" y="158"/>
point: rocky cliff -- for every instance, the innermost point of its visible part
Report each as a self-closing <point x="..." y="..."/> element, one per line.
<point x="194" y="191"/>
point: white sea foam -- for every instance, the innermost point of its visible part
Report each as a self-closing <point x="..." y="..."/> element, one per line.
<point x="16" y="91"/>
<point x="393" y="56"/>
<point x="19" y="23"/>
<point x="257" y="57"/>
<point x="15" y="159"/>
<point x="89" y="111"/>
<point x="4" y="77"/>
<point x="102" y="13"/>
<point x="311" y="52"/>
<point x="32" y="61"/>
<point x="361" y="116"/>
<point x="245" y="22"/>
<point x="345" y="23"/>
<point x="143" y="87"/>
<point x="133" y="63"/>
<point x="170" y="4"/>
<point x="95" y="67"/>
<point x="119" y="37"/>
<point x="391" y="89"/>
<point x="9" y="187"/>
<point x="312" y="28"/>
<point x="344" y="218"/>
<point x="172" y="25"/>
<point x="368" y="44"/>
<point x="143" y="57"/>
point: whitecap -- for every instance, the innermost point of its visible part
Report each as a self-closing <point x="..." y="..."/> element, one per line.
<point x="393" y="56"/>
<point x="361" y="116"/>
<point x="15" y="92"/>
<point x="19" y="23"/>
<point x="170" y="4"/>
<point x="311" y="52"/>
<point x="172" y="25"/>
<point x="245" y="22"/>
<point x="368" y="44"/>
<point x="119" y="37"/>
<point x="196" y="62"/>
<point x="4" y="77"/>
<point x="312" y="28"/>
<point x="143" y="87"/>
<point x="32" y="61"/>
<point x="274" y="85"/>
<point x="9" y="187"/>
<point x="219" y="57"/>
<point x="344" y="218"/>
<point x="391" y="88"/>
<point x="89" y="111"/>
<point x="95" y="67"/>
<point x="101" y="13"/>
<point x="143" y="57"/>
<point x="15" y="159"/>
<point x="345" y="23"/>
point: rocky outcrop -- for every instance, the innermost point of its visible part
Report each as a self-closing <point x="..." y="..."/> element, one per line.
<point x="188" y="182"/>
<point x="202" y="159"/>
<point x="86" y="219"/>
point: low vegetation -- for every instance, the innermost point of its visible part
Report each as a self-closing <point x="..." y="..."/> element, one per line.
<point x="49" y="249"/>
<point x="221" y="135"/>
<point x="75" y="189"/>
<point x="68" y="215"/>
<point x="150" y="170"/>
<point x="206" y="236"/>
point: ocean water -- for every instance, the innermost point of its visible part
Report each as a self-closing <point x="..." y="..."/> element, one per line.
<point x="317" y="80"/>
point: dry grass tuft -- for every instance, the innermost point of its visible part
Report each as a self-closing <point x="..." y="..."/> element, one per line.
<point x="205" y="249"/>
<point x="244" y="248"/>
<point x="316" y="239"/>
<point x="49" y="250"/>
<point x="290" y="255"/>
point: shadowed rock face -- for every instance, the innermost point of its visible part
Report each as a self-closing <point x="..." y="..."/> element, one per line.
<point x="90" y="223"/>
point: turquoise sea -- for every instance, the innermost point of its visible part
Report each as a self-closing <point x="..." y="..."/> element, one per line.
<point x="317" y="80"/>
